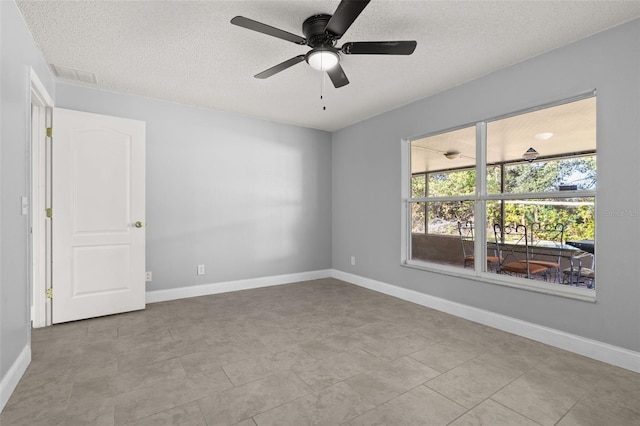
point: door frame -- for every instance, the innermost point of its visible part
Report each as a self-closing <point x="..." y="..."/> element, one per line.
<point x="39" y="183"/>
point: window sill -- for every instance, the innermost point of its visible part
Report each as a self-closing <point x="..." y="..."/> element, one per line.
<point x="553" y="289"/>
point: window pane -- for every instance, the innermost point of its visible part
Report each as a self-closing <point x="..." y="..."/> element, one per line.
<point x="443" y="242"/>
<point x="575" y="216"/>
<point x="562" y="144"/>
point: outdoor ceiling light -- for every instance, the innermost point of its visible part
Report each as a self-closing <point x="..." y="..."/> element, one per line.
<point x="543" y="136"/>
<point x="530" y="155"/>
<point x="322" y="59"/>
<point x="452" y="155"/>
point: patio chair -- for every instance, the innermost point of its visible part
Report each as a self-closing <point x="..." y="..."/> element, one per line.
<point x="510" y="242"/>
<point x="581" y="271"/>
<point x="548" y="242"/>
<point x="467" y="238"/>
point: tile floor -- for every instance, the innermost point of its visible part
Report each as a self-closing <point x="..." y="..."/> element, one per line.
<point x="314" y="353"/>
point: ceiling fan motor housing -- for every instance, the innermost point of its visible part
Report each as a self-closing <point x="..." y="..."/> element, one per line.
<point x="313" y="29"/>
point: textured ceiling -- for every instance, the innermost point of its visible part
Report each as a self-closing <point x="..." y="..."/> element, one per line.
<point x="188" y="52"/>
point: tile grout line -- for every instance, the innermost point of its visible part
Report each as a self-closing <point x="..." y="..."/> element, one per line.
<point x="512" y="410"/>
<point x="572" y="407"/>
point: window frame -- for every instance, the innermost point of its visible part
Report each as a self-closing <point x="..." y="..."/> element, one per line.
<point x="480" y="198"/>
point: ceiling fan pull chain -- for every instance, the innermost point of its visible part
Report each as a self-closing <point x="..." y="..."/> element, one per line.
<point x="322" y="78"/>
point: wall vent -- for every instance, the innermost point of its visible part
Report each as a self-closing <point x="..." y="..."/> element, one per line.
<point x="73" y="74"/>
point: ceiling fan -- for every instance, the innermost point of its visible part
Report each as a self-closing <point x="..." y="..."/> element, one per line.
<point x="321" y="32"/>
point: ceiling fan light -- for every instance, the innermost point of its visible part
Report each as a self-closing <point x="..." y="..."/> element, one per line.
<point x="322" y="60"/>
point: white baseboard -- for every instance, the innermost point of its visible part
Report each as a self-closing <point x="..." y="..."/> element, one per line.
<point x="223" y="287"/>
<point x="10" y="380"/>
<point x="600" y="351"/>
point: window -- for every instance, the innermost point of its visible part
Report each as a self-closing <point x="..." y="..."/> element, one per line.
<point x="534" y="170"/>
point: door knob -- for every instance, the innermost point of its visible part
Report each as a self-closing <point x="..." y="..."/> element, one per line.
<point x="138" y="224"/>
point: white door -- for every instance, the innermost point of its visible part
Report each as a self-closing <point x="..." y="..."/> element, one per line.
<point x="98" y="209"/>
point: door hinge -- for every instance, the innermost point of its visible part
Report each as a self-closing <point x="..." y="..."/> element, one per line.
<point x="49" y="132"/>
<point x="49" y="293"/>
<point x="49" y="212"/>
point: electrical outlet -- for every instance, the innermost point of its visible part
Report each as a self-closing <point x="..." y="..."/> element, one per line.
<point x="147" y="276"/>
<point x="353" y="260"/>
<point x="200" y="269"/>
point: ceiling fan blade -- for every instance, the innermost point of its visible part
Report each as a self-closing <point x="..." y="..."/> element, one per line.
<point x="346" y="12"/>
<point x="379" y="48"/>
<point x="250" y="24"/>
<point x="337" y="76"/>
<point x="280" y="67"/>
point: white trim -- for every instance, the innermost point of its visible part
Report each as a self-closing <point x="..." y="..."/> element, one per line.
<point x="37" y="220"/>
<point x="600" y="351"/>
<point x="570" y="292"/>
<point x="39" y="254"/>
<point x="13" y="376"/>
<point x="405" y="194"/>
<point x="43" y="97"/>
<point x="480" y="205"/>
<point x="224" y="287"/>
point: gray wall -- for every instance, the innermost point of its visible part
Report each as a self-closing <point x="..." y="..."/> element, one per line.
<point x="247" y="198"/>
<point x="18" y="54"/>
<point x="367" y="180"/>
